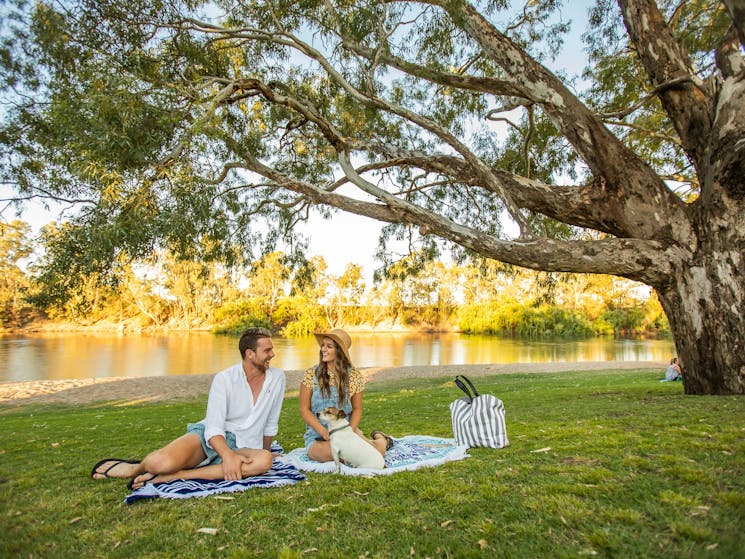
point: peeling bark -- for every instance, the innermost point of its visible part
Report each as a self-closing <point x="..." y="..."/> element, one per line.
<point x="704" y="304"/>
<point x="686" y="105"/>
<point x="736" y="9"/>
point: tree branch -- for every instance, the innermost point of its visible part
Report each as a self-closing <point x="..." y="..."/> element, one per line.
<point x="736" y="9"/>
<point x="507" y="108"/>
<point x="622" y="175"/>
<point x="493" y="86"/>
<point x="581" y="206"/>
<point x="625" y="175"/>
<point x="445" y="135"/>
<point x="633" y="258"/>
<point x="47" y="195"/>
<point x="688" y="107"/>
<point x="728" y="57"/>
<point x="623" y="113"/>
<point x="651" y="133"/>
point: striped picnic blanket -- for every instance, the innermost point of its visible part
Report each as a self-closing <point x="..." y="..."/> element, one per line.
<point x="280" y="474"/>
<point x="408" y="453"/>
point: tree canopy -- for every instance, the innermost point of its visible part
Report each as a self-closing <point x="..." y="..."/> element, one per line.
<point x="184" y="124"/>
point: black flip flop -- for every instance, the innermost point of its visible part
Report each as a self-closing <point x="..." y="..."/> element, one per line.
<point x="105" y="473"/>
<point x="131" y="483"/>
<point x="388" y="440"/>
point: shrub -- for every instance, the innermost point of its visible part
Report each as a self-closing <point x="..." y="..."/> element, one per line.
<point x="233" y="318"/>
<point x="514" y="319"/>
<point x="297" y="317"/>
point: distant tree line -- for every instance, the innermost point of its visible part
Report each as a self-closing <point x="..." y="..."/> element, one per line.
<point x="295" y="297"/>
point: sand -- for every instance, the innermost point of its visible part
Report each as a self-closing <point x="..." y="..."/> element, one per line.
<point x="176" y="387"/>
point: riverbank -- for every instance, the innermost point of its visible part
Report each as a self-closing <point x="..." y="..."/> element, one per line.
<point x="133" y="327"/>
<point x="126" y="390"/>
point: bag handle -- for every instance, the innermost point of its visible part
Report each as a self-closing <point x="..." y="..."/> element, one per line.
<point x="461" y="381"/>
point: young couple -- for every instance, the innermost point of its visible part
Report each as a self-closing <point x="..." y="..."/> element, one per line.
<point x="234" y="439"/>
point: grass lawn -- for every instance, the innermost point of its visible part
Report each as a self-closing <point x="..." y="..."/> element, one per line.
<point x="601" y="464"/>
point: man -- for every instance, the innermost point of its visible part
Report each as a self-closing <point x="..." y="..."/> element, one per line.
<point x="234" y="440"/>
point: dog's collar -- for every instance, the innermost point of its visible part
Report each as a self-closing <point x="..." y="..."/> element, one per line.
<point x="347" y="426"/>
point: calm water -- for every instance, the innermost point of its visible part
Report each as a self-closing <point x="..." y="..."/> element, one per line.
<point x="74" y="356"/>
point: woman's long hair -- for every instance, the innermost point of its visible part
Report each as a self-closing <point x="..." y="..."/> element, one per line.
<point x="342" y="366"/>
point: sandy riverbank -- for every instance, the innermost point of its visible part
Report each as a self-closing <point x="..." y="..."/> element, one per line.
<point x="152" y="389"/>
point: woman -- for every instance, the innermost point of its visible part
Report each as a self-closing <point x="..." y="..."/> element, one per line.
<point x="333" y="382"/>
<point x="673" y="372"/>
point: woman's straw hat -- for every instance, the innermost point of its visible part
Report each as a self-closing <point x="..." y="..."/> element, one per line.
<point x="341" y="338"/>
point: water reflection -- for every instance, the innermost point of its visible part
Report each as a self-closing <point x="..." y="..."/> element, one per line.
<point x="71" y="356"/>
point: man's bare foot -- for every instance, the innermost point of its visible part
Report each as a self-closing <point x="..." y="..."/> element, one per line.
<point x="143" y="479"/>
<point x="115" y="468"/>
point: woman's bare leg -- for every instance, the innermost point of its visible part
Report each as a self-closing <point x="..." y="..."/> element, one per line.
<point x="320" y="451"/>
<point x="380" y="443"/>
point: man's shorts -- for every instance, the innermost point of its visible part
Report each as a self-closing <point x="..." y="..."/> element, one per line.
<point x="212" y="456"/>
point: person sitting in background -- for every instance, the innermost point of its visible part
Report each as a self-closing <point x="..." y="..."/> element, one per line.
<point x="673" y="372"/>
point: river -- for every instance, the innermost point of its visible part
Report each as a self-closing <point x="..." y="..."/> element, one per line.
<point x="85" y="355"/>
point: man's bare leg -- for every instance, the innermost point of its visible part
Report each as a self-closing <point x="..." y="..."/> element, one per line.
<point x="184" y="452"/>
<point x="261" y="462"/>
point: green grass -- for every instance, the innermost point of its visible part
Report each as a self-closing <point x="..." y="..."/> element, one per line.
<point x="635" y="469"/>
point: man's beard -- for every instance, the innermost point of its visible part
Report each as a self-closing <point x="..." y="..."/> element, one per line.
<point x="260" y="365"/>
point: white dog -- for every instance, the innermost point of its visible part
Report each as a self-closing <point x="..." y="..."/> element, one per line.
<point x="348" y="446"/>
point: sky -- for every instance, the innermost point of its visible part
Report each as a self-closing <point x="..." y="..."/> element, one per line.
<point x="348" y="238"/>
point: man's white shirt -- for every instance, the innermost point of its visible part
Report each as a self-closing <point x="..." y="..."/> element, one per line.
<point x="230" y="407"/>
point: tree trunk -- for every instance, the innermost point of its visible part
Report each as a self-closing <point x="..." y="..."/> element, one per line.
<point x="704" y="305"/>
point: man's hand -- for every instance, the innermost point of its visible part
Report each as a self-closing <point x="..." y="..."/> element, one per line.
<point x="231" y="465"/>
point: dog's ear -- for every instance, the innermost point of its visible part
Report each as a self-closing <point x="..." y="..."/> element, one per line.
<point x="342" y="414"/>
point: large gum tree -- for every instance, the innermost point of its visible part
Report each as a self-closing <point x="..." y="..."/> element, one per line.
<point x="181" y="123"/>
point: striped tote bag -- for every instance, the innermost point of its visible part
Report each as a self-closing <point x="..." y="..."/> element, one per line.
<point x="478" y="420"/>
